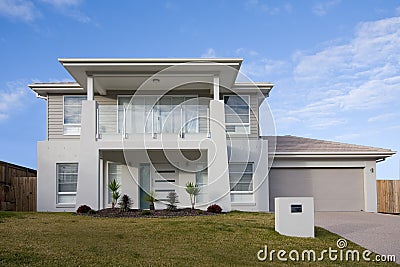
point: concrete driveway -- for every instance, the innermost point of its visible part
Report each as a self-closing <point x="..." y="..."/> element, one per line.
<point x="377" y="232"/>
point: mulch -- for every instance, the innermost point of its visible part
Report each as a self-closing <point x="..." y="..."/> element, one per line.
<point x="137" y="213"/>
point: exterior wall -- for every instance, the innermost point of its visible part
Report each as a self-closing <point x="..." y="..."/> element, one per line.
<point x="256" y="152"/>
<point x="49" y="154"/>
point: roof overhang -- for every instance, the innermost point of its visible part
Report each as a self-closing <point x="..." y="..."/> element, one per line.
<point x="130" y="73"/>
<point x="43" y="89"/>
<point x="262" y="89"/>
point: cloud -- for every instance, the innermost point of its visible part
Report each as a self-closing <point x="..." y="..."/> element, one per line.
<point x="268" y="9"/>
<point x="12" y="98"/>
<point x="69" y="8"/>
<point x="19" y="10"/>
<point x="210" y="53"/>
<point x="384" y="117"/>
<point x="364" y="71"/>
<point x="322" y="8"/>
<point x="338" y="84"/>
<point x="62" y="3"/>
<point x="347" y="137"/>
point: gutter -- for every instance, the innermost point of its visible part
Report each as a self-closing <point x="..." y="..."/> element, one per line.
<point x="41" y="97"/>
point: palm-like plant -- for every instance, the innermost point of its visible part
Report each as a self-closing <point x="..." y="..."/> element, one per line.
<point x="151" y="198"/>
<point x="114" y="186"/>
<point x="193" y="190"/>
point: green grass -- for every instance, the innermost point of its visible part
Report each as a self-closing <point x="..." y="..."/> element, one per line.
<point x="65" y="239"/>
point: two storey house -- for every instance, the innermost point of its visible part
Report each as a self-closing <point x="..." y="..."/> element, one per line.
<point x="155" y="124"/>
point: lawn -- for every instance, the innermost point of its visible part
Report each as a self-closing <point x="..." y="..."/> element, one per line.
<point x="65" y="239"/>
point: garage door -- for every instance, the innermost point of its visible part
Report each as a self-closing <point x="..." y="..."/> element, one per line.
<point x="332" y="189"/>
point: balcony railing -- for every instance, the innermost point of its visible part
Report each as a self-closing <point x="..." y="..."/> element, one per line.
<point x="158" y="119"/>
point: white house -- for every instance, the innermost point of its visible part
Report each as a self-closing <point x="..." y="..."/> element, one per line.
<point x="155" y="124"/>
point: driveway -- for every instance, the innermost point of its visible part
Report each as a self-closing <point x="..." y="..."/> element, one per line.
<point x="377" y="232"/>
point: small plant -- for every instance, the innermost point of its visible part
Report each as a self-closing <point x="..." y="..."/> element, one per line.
<point x="125" y="203"/>
<point x="83" y="209"/>
<point x="214" y="208"/>
<point x="193" y="190"/>
<point x="114" y="187"/>
<point x="92" y="212"/>
<point x="172" y="199"/>
<point x="146" y="212"/>
<point x="151" y="198"/>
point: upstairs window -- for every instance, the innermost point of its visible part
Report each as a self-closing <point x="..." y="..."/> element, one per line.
<point x="237" y="114"/>
<point x="72" y="114"/>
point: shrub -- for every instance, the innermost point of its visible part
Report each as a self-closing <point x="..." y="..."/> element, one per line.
<point x="172" y="199"/>
<point x="83" y="209"/>
<point x="146" y="212"/>
<point x="125" y="203"/>
<point x="92" y="212"/>
<point x="214" y="208"/>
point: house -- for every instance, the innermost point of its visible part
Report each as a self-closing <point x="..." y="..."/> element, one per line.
<point x="155" y="124"/>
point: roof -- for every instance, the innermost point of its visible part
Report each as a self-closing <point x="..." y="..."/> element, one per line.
<point x="148" y="60"/>
<point x="299" y="146"/>
<point x="128" y="73"/>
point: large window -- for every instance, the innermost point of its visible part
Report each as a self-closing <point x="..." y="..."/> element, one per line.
<point x="241" y="177"/>
<point x="67" y="179"/>
<point x="237" y="114"/>
<point x="170" y="114"/>
<point x="72" y="114"/>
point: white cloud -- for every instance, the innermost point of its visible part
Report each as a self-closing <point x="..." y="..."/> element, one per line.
<point x="12" y="98"/>
<point x="384" y="117"/>
<point x="62" y="3"/>
<point x="359" y="75"/>
<point x="322" y="8"/>
<point x="261" y="6"/>
<point x="69" y="8"/>
<point x="364" y="70"/>
<point x="351" y="137"/>
<point x="210" y="53"/>
<point x="19" y="9"/>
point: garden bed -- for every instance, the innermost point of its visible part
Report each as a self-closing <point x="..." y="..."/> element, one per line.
<point x="137" y="213"/>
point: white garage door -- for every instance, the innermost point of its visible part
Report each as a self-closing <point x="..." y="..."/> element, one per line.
<point x="332" y="189"/>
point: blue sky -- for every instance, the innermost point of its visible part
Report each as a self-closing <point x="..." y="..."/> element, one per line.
<point x="335" y="63"/>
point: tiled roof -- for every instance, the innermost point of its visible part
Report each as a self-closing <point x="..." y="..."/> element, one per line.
<point x="292" y="144"/>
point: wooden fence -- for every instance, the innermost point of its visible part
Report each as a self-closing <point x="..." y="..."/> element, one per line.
<point x="388" y="196"/>
<point x="19" y="195"/>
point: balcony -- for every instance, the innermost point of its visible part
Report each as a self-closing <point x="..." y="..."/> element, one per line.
<point x="131" y="121"/>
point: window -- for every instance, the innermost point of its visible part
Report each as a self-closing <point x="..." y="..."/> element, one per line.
<point x="67" y="179"/>
<point x="72" y="114"/>
<point x="114" y="172"/>
<point x="237" y="114"/>
<point x="202" y="182"/>
<point x="241" y="177"/>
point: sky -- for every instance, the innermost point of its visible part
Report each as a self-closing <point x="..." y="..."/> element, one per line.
<point x="335" y="63"/>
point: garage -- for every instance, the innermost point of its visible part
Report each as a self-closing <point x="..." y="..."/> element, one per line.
<point x="333" y="189"/>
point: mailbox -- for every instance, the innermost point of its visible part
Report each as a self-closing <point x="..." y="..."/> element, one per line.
<point x="294" y="216"/>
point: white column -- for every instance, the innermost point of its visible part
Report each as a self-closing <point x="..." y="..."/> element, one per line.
<point x="216" y="87"/>
<point x="370" y="197"/>
<point x="90" y="88"/>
